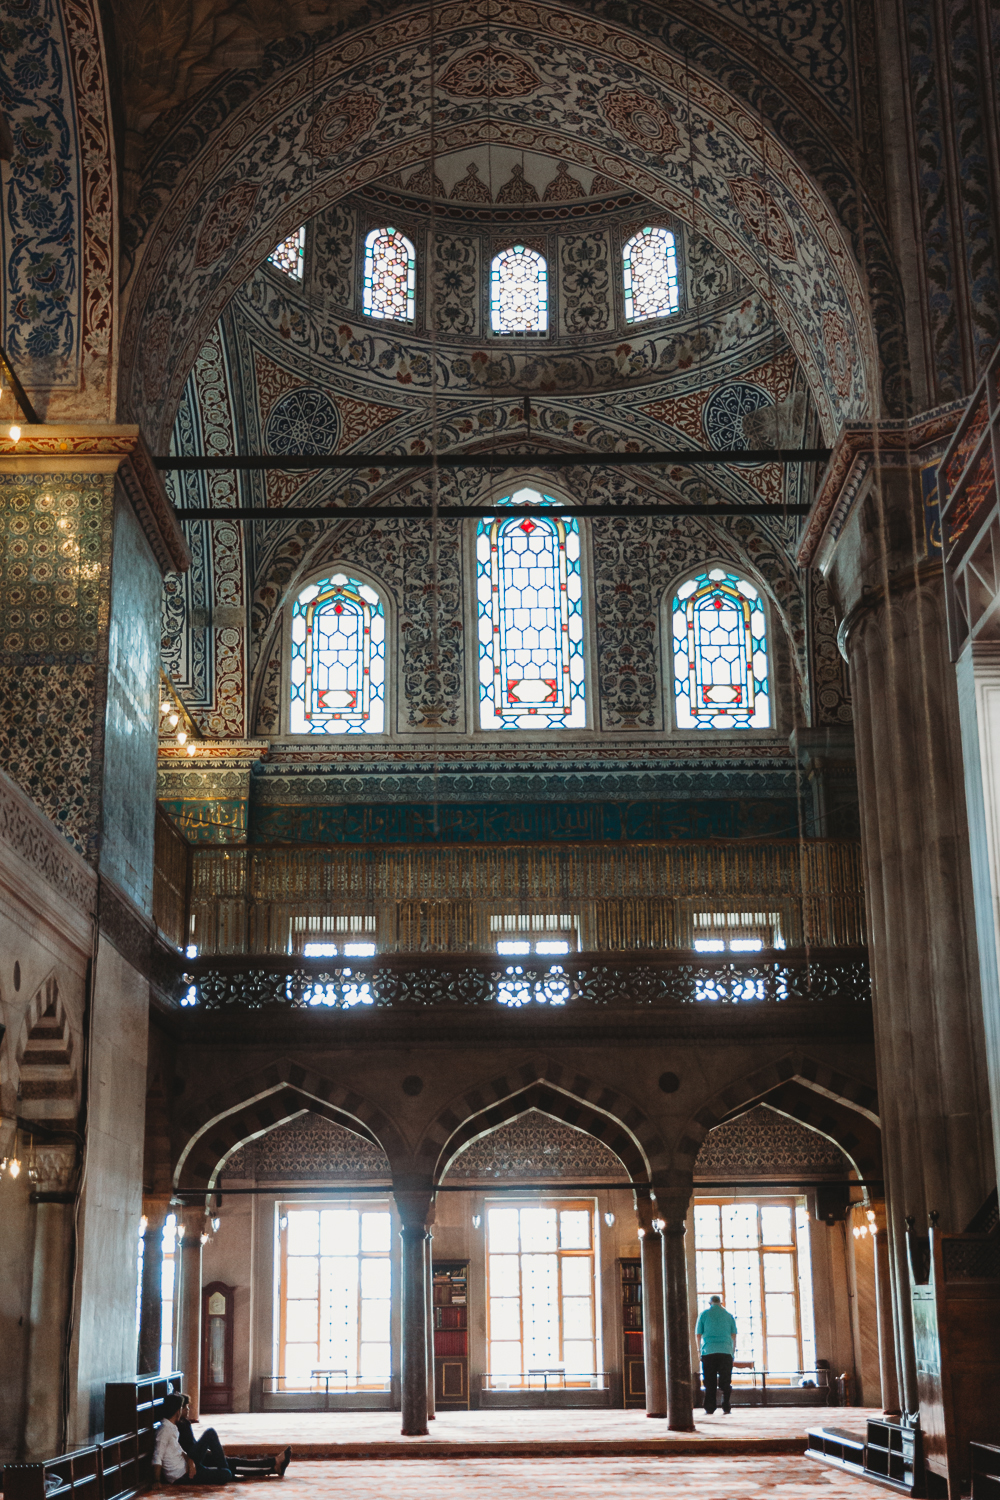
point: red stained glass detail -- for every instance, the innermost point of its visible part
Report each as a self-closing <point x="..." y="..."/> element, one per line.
<point x="528" y="527"/>
<point x="338" y="609"/>
<point x="717" y="602"/>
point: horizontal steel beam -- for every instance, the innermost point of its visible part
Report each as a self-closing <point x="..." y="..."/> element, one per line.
<point x="349" y="1190"/>
<point x="245" y="463"/>
<point x="469" y="513"/>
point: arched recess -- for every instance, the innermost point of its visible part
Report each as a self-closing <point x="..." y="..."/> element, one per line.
<point x="44" y="1067"/>
<point x="843" y="1109"/>
<point x="252" y="1106"/>
<point x="570" y="1097"/>
<point x="231" y="182"/>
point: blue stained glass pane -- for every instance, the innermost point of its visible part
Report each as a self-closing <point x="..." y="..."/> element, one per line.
<point x="530" y="614"/>
<point x="338" y="659"/>
<point x="720" y="653"/>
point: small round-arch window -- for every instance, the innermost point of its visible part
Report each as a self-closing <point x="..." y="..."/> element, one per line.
<point x="719" y="634"/>
<point x="338" y="658"/>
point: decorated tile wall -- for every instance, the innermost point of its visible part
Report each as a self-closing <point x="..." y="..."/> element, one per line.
<point x="55" y="548"/>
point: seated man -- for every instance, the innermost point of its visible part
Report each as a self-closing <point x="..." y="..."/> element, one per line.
<point x="207" y="1451"/>
<point x="171" y="1465"/>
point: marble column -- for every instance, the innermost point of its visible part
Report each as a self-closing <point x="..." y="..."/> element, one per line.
<point x="929" y="1039"/>
<point x="51" y="1272"/>
<point x="653" y="1347"/>
<point x="888" y="1368"/>
<point x="416" y="1213"/>
<point x="155" y="1211"/>
<point x="429" y="1287"/>
<point x="680" y="1397"/>
<point x="189" y="1252"/>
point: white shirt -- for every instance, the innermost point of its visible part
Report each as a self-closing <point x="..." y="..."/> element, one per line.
<point x="168" y="1453"/>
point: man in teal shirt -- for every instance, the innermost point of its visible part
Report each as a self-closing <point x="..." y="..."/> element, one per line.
<point x="716" y="1329"/>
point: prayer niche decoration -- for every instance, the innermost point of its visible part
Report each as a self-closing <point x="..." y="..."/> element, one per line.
<point x="289" y="256"/>
<point x="720" y="654"/>
<point x="390" y="276"/>
<point x="338" y="659"/>
<point x="519" y="291"/>
<point x="649" y="267"/>
<point x="530" y="616"/>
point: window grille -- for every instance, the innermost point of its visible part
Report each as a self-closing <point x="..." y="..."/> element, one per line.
<point x="649" y="273"/>
<point x="530" y="616"/>
<point x="720" y="654"/>
<point x="390" y="276"/>
<point x="289" y="256"/>
<point x="519" y="291"/>
<point x="338" y="659"/>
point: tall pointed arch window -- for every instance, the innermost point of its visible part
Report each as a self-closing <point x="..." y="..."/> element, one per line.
<point x="519" y="291"/>
<point x="289" y="256"/>
<point x="338" y="658"/>
<point x="720" y="653"/>
<point x="649" y="274"/>
<point x="530" y="616"/>
<point x="390" y="276"/>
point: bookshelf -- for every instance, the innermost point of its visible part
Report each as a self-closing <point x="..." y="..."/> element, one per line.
<point x="451" y="1334"/>
<point x="72" y="1476"/>
<point x="985" y="1471"/>
<point x="633" y="1362"/>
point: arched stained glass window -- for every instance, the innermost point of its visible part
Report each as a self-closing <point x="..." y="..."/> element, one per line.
<point x="649" y="270"/>
<point x="289" y="256"/>
<point x="390" y="277"/>
<point x="338" y="658"/>
<point x="519" y="291"/>
<point x="530" y="610"/>
<point x="720" y="653"/>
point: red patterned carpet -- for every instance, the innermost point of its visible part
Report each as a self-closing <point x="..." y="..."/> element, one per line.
<point x="694" y="1478"/>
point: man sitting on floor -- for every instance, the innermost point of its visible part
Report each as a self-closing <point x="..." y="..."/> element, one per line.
<point x="206" y="1462"/>
<point x="208" y="1451"/>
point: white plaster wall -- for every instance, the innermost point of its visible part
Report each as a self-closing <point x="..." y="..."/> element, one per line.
<point x="111" y="1204"/>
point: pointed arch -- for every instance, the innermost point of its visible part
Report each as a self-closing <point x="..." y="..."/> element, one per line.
<point x="254" y="1105"/>
<point x="825" y="1099"/>
<point x="571" y="1097"/>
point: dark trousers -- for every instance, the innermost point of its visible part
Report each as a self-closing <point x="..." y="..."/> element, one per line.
<point x="211" y="1466"/>
<point x="717" y="1371"/>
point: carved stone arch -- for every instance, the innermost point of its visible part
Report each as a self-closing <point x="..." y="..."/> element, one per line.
<point x="824" y="1099"/>
<point x="571" y="1097"/>
<point x="43" y="1060"/>
<point x="252" y="1106"/>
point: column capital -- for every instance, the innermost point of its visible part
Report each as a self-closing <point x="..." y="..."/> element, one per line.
<point x="52" y="1168"/>
<point x="415" y="1205"/>
<point x="646" y="1211"/>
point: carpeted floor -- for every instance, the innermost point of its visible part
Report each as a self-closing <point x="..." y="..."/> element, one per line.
<point x="693" y="1478"/>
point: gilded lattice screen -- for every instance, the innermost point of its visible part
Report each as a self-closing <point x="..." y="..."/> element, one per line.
<point x="638" y="895"/>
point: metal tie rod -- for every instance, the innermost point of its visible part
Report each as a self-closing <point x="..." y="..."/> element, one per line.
<point x="475" y="513"/>
<point x="244" y="463"/>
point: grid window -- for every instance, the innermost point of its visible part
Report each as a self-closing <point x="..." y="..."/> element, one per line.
<point x="720" y="654"/>
<point x="338" y="659"/>
<point x="390" y="276"/>
<point x="535" y="933"/>
<point x="519" y="291"/>
<point x="334" y="1297"/>
<point x="649" y="267"/>
<point x="530" y="608"/>
<point x="168" y="1278"/>
<point x="289" y="256"/>
<point x="747" y="1253"/>
<point x="540" y="1290"/>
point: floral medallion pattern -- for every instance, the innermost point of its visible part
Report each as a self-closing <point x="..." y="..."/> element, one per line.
<point x="225" y="222"/>
<point x="642" y="121"/>
<point x="490" y="72"/>
<point x="763" y="217"/>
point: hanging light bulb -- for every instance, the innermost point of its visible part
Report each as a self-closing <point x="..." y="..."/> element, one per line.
<point x="172" y="720"/>
<point x="192" y="749"/>
<point x="216" y="1225"/>
<point x="14" y="1167"/>
<point x="609" y="1219"/>
<point x="477" y="1219"/>
<point x="15" y="433"/>
<point x="181" y="736"/>
<point x="204" y="1239"/>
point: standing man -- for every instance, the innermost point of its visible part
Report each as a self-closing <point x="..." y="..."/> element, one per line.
<point x="716" y="1328"/>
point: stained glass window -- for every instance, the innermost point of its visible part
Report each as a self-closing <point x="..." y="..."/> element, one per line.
<point x="529" y="597"/>
<point x="649" y="268"/>
<point x="519" y="291"/>
<point x="290" y="254"/>
<point x="720" y="654"/>
<point x="390" y="279"/>
<point x="338" y="659"/>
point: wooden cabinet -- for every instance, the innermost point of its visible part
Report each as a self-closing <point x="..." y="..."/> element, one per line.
<point x="892" y="1453"/>
<point x="451" y="1334"/>
<point x="217" y="1348"/>
<point x="136" y="1406"/>
<point x="633" y="1356"/>
<point x="72" y="1476"/>
<point x="985" y="1471"/>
